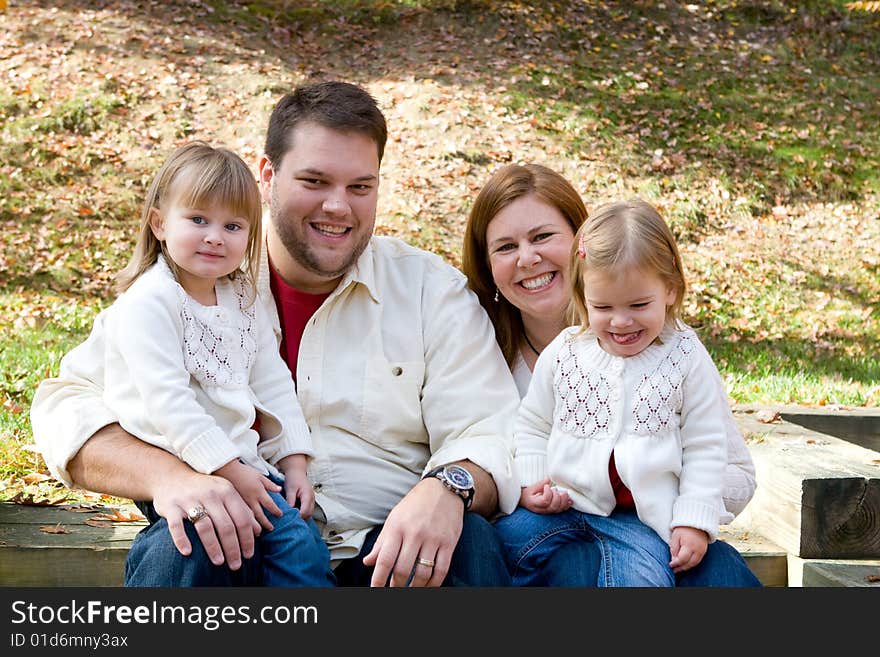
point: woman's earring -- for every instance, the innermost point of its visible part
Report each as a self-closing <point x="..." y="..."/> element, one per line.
<point x="496" y="295"/>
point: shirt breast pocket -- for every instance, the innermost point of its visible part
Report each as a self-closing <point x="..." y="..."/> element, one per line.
<point x="392" y="411"/>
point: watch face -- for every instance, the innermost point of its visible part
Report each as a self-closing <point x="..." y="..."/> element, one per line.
<point x="459" y="477"/>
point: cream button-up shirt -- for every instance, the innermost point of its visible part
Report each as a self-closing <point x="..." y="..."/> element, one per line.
<point x="398" y="372"/>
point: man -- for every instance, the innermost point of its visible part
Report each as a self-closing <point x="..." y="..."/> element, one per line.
<point x="397" y="371"/>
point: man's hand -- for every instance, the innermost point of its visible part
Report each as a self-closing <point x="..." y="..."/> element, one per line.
<point x="541" y="497"/>
<point x="254" y="487"/>
<point x="426" y="524"/>
<point x="227" y="532"/>
<point x="687" y="546"/>
<point x="113" y="461"/>
<point x="297" y="486"/>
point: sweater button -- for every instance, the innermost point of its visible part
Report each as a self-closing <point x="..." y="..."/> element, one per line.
<point x="397" y="371"/>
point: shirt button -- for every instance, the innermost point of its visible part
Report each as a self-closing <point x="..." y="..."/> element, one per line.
<point x="397" y="371"/>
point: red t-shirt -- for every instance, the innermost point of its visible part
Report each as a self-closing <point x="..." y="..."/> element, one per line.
<point x="621" y="493"/>
<point x="295" y="309"/>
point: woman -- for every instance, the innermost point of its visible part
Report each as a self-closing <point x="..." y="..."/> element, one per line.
<point x="516" y="252"/>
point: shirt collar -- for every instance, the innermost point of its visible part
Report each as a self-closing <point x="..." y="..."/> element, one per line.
<point x="363" y="272"/>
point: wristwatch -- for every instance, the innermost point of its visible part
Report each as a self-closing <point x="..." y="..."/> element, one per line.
<point x="458" y="480"/>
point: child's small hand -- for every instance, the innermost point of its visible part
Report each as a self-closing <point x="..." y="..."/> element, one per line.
<point x="687" y="546"/>
<point x="297" y="485"/>
<point x="254" y="489"/>
<point x="541" y="497"/>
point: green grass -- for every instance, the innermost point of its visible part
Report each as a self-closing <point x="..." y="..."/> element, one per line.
<point x="795" y="372"/>
<point x="42" y="332"/>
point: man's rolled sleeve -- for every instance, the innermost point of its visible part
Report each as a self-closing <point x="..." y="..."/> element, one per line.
<point x="469" y="399"/>
<point x="68" y="409"/>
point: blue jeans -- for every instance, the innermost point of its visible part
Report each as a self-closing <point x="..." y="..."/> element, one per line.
<point x="478" y="559"/>
<point x="573" y="548"/>
<point x="291" y="554"/>
<point x="722" y="565"/>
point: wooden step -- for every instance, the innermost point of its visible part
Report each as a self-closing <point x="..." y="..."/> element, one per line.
<point x="85" y="556"/>
<point x="818" y="496"/>
<point x="833" y="572"/>
<point x="765" y="559"/>
<point x="95" y="556"/>
<point x="842" y="573"/>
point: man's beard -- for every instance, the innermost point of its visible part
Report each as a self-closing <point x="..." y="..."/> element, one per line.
<point x="299" y="250"/>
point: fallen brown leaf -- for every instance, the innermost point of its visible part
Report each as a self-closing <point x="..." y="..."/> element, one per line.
<point x="30" y="499"/>
<point x="117" y="515"/>
<point x="80" y="508"/>
<point x="55" y="529"/>
<point x="767" y="416"/>
<point x="92" y="522"/>
<point x="872" y="578"/>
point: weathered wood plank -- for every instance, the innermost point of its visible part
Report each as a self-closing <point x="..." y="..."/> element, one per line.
<point x="818" y="496"/>
<point x="860" y="426"/>
<point x="842" y="573"/>
<point x="86" y="556"/>
<point x="29" y="566"/>
<point x="766" y="560"/>
<point x="95" y="556"/>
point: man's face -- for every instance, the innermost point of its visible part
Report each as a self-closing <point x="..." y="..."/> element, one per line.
<point x="322" y="203"/>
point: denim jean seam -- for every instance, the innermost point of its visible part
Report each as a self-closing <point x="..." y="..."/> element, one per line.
<point x="539" y="539"/>
<point x="604" y="553"/>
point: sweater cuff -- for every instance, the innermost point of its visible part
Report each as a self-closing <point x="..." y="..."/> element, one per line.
<point x="696" y="513"/>
<point x="209" y="451"/>
<point x="294" y="441"/>
<point x="530" y="468"/>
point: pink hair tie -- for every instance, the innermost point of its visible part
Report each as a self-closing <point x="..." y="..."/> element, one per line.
<point x="582" y="248"/>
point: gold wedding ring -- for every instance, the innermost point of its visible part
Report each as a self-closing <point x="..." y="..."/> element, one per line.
<point x="196" y="513"/>
<point x="426" y="562"/>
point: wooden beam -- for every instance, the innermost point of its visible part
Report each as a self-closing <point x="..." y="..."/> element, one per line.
<point x="766" y="560"/>
<point x="860" y="426"/>
<point x="85" y="556"/>
<point x="818" y="496"/>
<point x="842" y="573"/>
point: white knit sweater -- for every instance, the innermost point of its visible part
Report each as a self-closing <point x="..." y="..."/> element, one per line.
<point x="739" y="475"/>
<point x="658" y="411"/>
<point x="191" y="378"/>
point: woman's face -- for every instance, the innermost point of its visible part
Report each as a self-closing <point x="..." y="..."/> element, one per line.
<point x="529" y="243"/>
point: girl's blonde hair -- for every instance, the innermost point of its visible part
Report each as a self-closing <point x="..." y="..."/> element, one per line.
<point x="198" y="175"/>
<point x="621" y="235"/>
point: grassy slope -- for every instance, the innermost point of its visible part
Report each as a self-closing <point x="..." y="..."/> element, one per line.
<point x="754" y="126"/>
